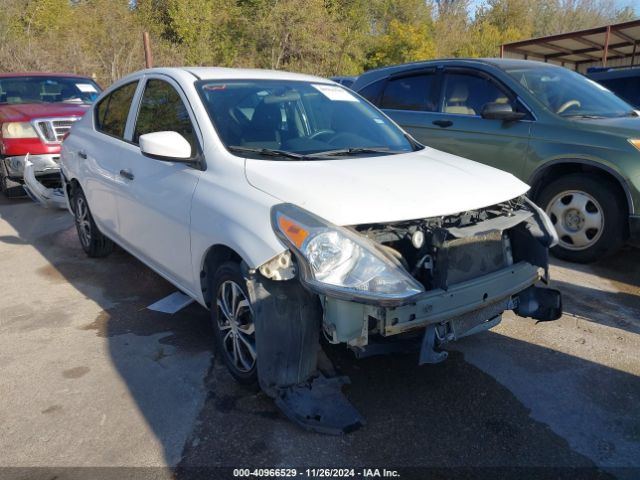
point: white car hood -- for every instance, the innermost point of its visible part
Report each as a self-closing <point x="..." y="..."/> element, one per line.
<point x="388" y="188"/>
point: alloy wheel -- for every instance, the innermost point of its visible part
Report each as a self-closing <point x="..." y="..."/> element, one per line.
<point x="83" y="222"/>
<point x="235" y="324"/>
<point x="578" y="219"/>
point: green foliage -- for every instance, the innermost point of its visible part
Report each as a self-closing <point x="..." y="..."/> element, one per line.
<point x="402" y="43"/>
<point x="325" y="37"/>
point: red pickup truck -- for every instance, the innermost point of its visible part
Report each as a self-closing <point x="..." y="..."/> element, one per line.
<point x="36" y="111"/>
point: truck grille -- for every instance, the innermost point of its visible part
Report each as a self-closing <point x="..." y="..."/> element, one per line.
<point x="52" y="130"/>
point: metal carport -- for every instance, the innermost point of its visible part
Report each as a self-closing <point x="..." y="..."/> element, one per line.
<point x="613" y="45"/>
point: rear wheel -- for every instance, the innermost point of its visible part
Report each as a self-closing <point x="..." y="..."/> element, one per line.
<point x="233" y="323"/>
<point x="93" y="242"/>
<point x="588" y="216"/>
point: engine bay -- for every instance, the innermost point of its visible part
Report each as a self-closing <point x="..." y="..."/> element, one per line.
<point x="444" y="251"/>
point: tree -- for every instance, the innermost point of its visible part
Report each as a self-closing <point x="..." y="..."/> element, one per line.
<point x="452" y="25"/>
<point x="402" y="43"/>
<point x="324" y="37"/>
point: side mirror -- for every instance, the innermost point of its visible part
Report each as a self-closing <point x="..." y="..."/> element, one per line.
<point x="166" y="146"/>
<point x="500" y="111"/>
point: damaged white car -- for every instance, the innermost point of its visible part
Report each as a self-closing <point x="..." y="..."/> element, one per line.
<point x="292" y="208"/>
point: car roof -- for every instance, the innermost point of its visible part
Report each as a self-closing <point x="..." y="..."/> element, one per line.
<point x="41" y="74"/>
<point x="502" y="63"/>
<point x="223" y="73"/>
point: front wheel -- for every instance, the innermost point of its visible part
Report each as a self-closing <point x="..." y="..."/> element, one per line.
<point x="233" y="323"/>
<point x="588" y="216"/>
<point x="93" y="242"/>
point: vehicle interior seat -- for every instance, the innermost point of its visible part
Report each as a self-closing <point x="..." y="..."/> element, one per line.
<point x="264" y="126"/>
<point x="457" y="100"/>
<point x="228" y="126"/>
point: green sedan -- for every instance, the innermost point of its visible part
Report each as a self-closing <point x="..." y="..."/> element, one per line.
<point x="571" y="139"/>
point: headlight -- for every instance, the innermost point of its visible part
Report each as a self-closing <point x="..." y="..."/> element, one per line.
<point x="336" y="261"/>
<point x="635" y="142"/>
<point x="18" y="130"/>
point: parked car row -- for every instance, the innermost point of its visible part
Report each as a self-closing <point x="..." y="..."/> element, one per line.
<point x="294" y="209"/>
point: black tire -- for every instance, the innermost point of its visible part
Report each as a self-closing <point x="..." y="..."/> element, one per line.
<point x="590" y="218"/>
<point x="92" y="240"/>
<point x="234" y="331"/>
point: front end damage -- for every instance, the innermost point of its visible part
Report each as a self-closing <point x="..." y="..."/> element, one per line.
<point x="51" y="196"/>
<point x="461" y="272"/>
<point x="473" y="267"/>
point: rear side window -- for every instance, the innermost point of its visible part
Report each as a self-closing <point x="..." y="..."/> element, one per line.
<point x="409" y="93"/>
<point x="162" y="110"/>
<point x="112" y="111"/>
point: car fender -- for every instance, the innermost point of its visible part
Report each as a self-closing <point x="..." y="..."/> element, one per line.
<point x="234" y="215"/>
<point x="540" y="171"/>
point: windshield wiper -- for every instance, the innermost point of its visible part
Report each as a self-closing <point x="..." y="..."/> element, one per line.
<point x="267" y="152"/>
<point x="352" y="151"/>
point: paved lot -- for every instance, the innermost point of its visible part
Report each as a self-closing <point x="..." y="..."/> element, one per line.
<point x="89" y="377"/>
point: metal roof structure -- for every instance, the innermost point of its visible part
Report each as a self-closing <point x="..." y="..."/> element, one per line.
<point x="610" y="45"/>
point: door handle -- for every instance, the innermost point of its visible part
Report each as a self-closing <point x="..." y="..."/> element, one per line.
<point x="128" y="174"/>
<point x="443" y="123"/>
<point x="82" y="154"/>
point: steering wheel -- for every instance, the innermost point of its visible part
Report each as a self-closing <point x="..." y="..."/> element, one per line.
<point x="320" y="133"/>
<point x="567" y="105"/>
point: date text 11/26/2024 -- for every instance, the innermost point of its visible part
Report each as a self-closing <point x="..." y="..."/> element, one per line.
<point x="315" y="473"/>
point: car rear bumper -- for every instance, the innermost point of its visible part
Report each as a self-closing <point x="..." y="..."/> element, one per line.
<point x="43" y="165"/>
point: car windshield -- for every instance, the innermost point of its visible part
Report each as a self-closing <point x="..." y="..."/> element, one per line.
<point x="298" y="120"/>
<point x="568" y="93"/>
<point x="46" y="89"/>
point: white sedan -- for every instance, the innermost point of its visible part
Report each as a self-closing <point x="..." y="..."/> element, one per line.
<point x="292" y="208"/>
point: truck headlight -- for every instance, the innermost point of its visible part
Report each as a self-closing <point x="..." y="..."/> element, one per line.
<point x="18" y="130"/>
<point x="339" y="262"/>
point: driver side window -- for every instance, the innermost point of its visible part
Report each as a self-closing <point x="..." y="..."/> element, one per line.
<point x="467" y="94"/>
<point x="162" y="109"/>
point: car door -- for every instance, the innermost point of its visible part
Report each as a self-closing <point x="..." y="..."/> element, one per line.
<point x="100" y="150"/>
<point x="410" y="99"/>
<point x="155" y="202"/>
<point x="461" y="130"/>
